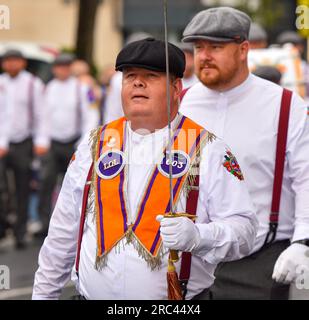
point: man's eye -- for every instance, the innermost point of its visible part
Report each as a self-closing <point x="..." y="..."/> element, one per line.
<point x="129" y="75"/>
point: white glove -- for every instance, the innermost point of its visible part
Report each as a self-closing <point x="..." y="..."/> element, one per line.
<point x="290" y="263"/>
<point x="179" y="233"/>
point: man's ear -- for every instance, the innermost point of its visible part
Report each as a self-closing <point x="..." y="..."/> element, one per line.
<point x="244" y="49"/>
<point x="177" y="85"/>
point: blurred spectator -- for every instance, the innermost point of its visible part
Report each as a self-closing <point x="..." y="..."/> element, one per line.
<point x="297" y="41"/>
<point x="22" y="118"/>
<point x="81" y="70"/>
<point x="291" y="37"/>
<point x="189" y="78"/>
<point x="113" y="105"/>
<point x="105" y="79"/>
<point x="70" y="117"/>
<point x="268" y="73"/>
<point x="257" y="37"/>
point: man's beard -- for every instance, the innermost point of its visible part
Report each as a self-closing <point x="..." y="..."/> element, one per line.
<point x="218" y="77"/>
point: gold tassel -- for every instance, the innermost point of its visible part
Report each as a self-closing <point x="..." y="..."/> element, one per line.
<point x="173" y="287"/>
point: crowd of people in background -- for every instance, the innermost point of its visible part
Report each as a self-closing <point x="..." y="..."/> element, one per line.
<point x="41" y="125"/>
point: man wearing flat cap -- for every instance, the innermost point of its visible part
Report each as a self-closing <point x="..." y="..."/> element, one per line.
<point x="22" y="133"/>
<point x="244" y="110"/>
<point x="69" y="114"/>
<point x="111" y="226"/>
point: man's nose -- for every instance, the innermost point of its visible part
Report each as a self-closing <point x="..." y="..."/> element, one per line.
<point x="205" y="55"/>
<point x="139" y="83"/>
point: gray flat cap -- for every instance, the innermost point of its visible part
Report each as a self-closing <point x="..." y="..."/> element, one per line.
<point x="64" y="59"/>
<point x="13" y="53"/>
<point x="222" y="24"/>
<point x="257" y="33"/>
<point x="289" y="37"/>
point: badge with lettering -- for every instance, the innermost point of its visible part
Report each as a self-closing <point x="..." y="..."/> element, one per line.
<point x="180" y="164"/>
<point x="110" y="164"/>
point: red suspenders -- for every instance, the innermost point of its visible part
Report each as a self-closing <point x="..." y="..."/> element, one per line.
<point x="279" y="165"/>
<point x="283" y="126"/>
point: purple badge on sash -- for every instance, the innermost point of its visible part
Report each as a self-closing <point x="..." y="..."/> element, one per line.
<point x="180" y="164"/>
<point x="110" y="164"/>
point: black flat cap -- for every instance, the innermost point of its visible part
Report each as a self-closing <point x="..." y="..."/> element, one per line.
<point x="64" y="59"/>
<point x="150" y="54"/>
<point x="13" y="53"/>
<point x="222" y="24"/>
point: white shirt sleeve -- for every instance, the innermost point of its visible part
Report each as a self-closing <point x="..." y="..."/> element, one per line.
<point x="40" y="114"/>
<point x="297" y="155"/>
<point x="4" y="116"/>
<point x="228" y="232"/>
<point x="58" y="252"/>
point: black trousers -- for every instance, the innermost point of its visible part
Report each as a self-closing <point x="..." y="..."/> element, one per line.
<point x="19" y="161"/>
<point x="54" y="163"/>
<point x="250" y="278"/>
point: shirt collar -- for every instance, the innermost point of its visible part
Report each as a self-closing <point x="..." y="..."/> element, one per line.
<point x="159" y="134"/>
<point x="243" y="87"/>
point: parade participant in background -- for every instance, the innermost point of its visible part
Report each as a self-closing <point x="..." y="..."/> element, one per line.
<point x="189" y="77"/>
<point x="257" y="37"/>
<point x="122" y="250"/>
<point x="244" y="110"/>
<point x="22" y="132"/>
<point x="70" y="117"/>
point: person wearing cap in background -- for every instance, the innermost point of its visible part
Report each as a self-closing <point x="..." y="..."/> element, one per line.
<point x="257" y="37"/>
<point x="22" y="132"/>
<point x="244" y="110"/>
<point x="189" y="77"/>
<point x="112" y="108"/>
<point x="70" y="117"/>
<point x="297" y="41"/>
<point x="123" y="248"/>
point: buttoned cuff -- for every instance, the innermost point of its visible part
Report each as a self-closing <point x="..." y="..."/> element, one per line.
<point x="207" y="241"/>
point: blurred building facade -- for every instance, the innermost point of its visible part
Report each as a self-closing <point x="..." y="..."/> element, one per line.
<point x="55" y="22"/>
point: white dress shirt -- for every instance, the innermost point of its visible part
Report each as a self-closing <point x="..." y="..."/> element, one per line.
<point x="19" y="120"/>
<point x="226" y="223"/>
<point x="69" y="112"/>
<point x="246" y="118"/>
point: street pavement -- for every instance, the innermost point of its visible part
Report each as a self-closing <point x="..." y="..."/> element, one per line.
<point x="22" y="265"/>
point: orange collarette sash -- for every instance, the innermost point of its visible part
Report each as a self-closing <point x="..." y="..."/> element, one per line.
<point x="110" y="186"/>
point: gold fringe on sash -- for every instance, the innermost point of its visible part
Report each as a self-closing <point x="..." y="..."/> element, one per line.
<point x="152" y="262"/>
